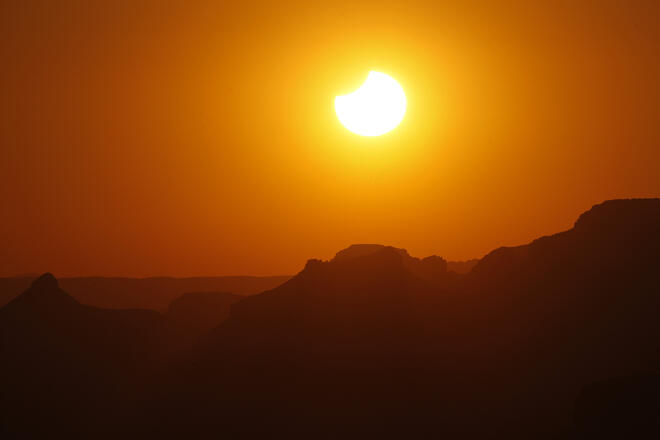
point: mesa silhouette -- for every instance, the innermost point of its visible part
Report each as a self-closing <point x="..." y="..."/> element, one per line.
<point x="554" y="339"/>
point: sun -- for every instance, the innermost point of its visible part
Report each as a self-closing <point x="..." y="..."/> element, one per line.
<point x="374" y="109"/>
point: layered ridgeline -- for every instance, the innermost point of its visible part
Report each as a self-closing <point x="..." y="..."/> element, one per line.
<point x="376" y="342"/>
<point x="154" y="293"/>
<point x="195" y="313"/>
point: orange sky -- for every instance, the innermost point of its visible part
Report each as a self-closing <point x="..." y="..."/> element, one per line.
<point x="201" y="139"/>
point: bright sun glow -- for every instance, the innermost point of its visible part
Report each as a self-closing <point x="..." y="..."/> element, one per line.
<point x="377" y="107"/>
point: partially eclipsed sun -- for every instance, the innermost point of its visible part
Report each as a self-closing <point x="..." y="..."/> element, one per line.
<point x="377" y="107"/>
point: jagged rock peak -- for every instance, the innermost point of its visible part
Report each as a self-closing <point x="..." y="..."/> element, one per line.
<point x="46" y="281"/>
<point x="44" y="294"/>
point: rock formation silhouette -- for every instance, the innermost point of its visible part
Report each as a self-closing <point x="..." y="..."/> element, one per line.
<point x="73" y="369"/>
<point x="557" y="338"/>
<point x="142" y="293"/>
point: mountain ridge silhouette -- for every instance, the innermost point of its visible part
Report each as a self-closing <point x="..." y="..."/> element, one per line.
<point x="533" y="314"/>
<point x="373" y="342"/>
<point x="155" y="293"/>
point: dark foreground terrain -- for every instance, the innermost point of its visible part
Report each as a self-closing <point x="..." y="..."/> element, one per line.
<point x="558" y="338"/>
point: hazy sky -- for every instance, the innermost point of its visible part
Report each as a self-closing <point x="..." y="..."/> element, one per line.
<point x="199" y="138"/>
